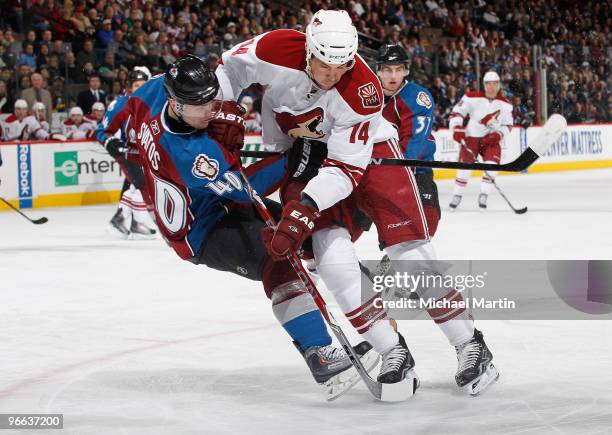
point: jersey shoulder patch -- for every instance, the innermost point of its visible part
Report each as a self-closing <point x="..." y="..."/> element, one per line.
<point x="283" y="48"/>
<point x="360" y="89"/>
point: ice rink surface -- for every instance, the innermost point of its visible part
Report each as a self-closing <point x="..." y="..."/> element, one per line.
<point x="122" y="337"/>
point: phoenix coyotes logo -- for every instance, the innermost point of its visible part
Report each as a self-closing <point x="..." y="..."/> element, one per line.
<point x="203" y="167"/>
<point x="317" y="22"/>
<point x="490" y="119"/>
<point x="369" y="95"/>
<point x="302" y="125"/>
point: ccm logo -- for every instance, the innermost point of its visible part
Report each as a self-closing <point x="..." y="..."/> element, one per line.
<point x="304" y="219"/>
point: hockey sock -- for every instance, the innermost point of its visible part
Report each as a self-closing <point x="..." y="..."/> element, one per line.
<point x="338" y="267"/>
<point x="454" y="322"/>
<point x="487" y="180"/>
<point x="461" y="181"/>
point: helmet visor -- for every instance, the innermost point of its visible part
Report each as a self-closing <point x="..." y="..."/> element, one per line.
<point x="198" y="116"/>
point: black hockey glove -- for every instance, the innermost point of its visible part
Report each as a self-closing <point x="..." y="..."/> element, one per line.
<point x="305" y="159"/>
<point x="115" y="147"/>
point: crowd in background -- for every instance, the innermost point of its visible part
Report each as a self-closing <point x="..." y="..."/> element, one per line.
<point x="67" y="53"/>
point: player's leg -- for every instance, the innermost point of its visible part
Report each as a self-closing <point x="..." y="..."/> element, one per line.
<point x="490" y="154"/>
<point x="121" y="220"/>
<point x="292" y="305"/>
<point x="463" y="175"/>
<point x="429" y="198"/>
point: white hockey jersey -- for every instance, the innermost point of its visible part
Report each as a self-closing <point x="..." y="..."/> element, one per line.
<point x="486" y="115"/>
<point x="14" y="129"/>
<point x="72" y="131"/>
<point x="348" y="117"/>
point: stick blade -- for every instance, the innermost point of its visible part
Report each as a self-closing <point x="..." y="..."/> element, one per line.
<point x="42" y="220"/>
<point x="521" y="210"/>
<point x="551" y="131"/>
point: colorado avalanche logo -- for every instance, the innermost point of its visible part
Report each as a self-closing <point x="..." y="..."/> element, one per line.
<point x="423" y="100"/>
<point x="490" y="119"/>
<point x="203" y="167"/>
<point x="369" y="95"/>
<point x="302" y="125"/>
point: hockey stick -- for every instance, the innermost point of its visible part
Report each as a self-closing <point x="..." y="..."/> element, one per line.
<point x="384" y="392"/>
<point x="38" y="221"/>
<point x="551" y="131"/>
<point x="517" y="211"/>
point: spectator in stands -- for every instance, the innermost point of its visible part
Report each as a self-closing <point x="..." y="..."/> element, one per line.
<point x="38" y="93"/>
<point x="28" y="57"/>
<point x="94" y="94"/>
<point x="87" y="54"/>
<point x="58" y="96"/>
<point x="6" y="101"/>
<point x="105" y="35"/>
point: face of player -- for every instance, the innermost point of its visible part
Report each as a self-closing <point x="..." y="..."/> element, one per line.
<point x="392" y="77"/>
<point x="197" y="117"/>
<point x="20" y="113"/>
<point x="491" y="89"/>
<point x="40" y="114"/>
<point x="137" y="84"/>
<point x="326" y="76"/>
<point x="98" y="114"/>
<point x="77" y="119"/>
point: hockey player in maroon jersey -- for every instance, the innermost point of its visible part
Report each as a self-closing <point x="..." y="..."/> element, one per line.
<point x="490" y="121"/>
<point x="188" y="145"/>
<point x="410" y="107"/>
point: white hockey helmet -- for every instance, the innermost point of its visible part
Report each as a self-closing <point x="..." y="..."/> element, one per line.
<point x="38" y="106"/>
<point x="21" y="104"/>
<point x="143" y="69"/>
<point x="331" y="37"/>
<point x="490" y="76"/>
<point x="76" y="110"/>
<point x="97" y="106"/>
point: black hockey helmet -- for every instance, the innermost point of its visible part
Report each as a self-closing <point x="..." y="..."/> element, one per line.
<point x="392" y="54"/>
<point x="136" y="75"/>
<point x="190" y="81"/>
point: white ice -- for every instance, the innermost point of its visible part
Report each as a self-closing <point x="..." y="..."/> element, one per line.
<point x="122" y="337"/>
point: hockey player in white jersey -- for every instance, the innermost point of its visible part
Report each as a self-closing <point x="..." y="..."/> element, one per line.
<point x="96" y="116"/>
<point x="76" y="126"/>
<point x="490" y="121"/>
<point x="40" y="113"/>
<point x="317" y="87"/>
<point x="21" y="126"/>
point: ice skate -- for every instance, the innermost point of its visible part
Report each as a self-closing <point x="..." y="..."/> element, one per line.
<point x="482" y="201"/>
<point x="455" y="202"/>
<point x="139" y="230"/>
<point x="476" y="370"/>
<point x="397" y="364"/>
<point x="119" y="224"/>
<point x="332" y="368"/>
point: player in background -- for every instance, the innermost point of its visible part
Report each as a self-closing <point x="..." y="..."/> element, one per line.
<point x="40" y="113"/>
<point x="188" y="142"/>
<point x="410" y="108"/>
<point x="76" y="126"/>
<point x="131" y="220"/>
<point x="490" y="121"/>
<point x="97" y="114"/>
<point x="21" y="126"/>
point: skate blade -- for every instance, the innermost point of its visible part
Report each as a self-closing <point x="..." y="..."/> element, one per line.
<point x="400" y="391"/>
<point x="479" y="384"/>
<point x="343" y="382"/>
<point x="142" y="236"/>
<point x="115" y="233"/>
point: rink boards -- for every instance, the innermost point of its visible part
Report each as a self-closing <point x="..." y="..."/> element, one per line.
<point x="49" y="174"/>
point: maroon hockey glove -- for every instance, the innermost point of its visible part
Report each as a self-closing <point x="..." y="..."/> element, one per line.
<point x="491" y="139"/>
<point x="227" y="127"/>
<point x="295" y="225"/>
<point x="459" y="136"/>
